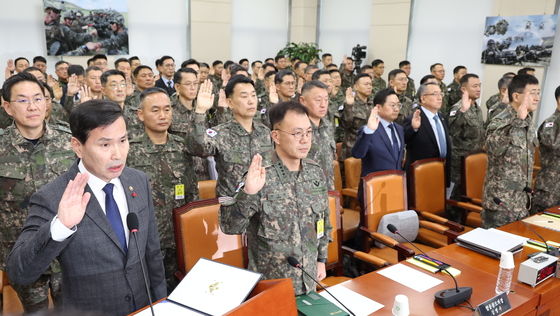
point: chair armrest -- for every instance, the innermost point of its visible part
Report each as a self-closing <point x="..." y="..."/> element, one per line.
<point x="365" y="257"/>
<point x="350" y="192"/>
<point x="441" y="229"/>
<point x="402" y="251"/>
<point x="469" y="199"/>
<point x="465" y="205"/>
<point x="441" y="220"/>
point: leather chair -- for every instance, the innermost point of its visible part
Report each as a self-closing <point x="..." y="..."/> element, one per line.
<point x="536" y="165"/>
<point x="350" y="217"/>
<point x="10" y="301"/>
<point x="428" y="198"/>
<point x="207" y="189"/>
<point x="474" y="172"/>
<point x="352" y="171"/>
<point x="198" y="235"/>
<point x="385" y="193"/>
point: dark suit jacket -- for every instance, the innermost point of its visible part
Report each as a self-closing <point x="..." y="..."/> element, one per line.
<point x="422" y="144"/>
<point x="96" y="273"/>
<point x="161" y="84"/>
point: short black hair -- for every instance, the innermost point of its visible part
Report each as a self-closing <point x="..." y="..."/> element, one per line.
<point x="149" y="91"/>
<point x="393" y="73"/>
<point x="332" y="71"/>
<point x="312" y="84"/>
<point x="268" y="60"/>
<point x="326" y="55"/>
<point x="227" y="64"/>
<point x="332" y="65"/>
<point x="235" y="80"/>
<point x="178" y="75"/>
<point x="381" y="96"/>
<point x="277" y="58"/>
<point x="376" y="62"/>
<point x="237" y="68"/>
<point x="434" y="66"/>
<point x="404" y="63"/>
<point x="32" y="68"/>
<point x="255" y="62"/>
<point x="112" y="72"/>
<point x="458" y="68"/>
<point x="48" y="89"/>
<point x="158" y="62"/>
<point x="310" y="67"/>
<point x="465" y="79"/>
<point x="20" y="58"/>
<point x="242" y="60"/>
<point x="164" y="58"/>
<point x="360" y="76"/>
<point x="92" y="68"/>
<point x="504" y="82"/>
<point x="364" y="68"/>
<point x="39" y="59"/>
<point x="519" y="82"/>
<point x="523" y="71"/>
<point x="216" y="63"/>
<point x="133" y="58"/>
<point x="99" y="56"/>
<point x="139" y="68"/>
<point x="121" y="60"/>
<point x="190" y="61"/>
<point x="270" y="73"/>
<point x="92" y="114"/>
<point x="60" y="62"/>
<point x="204" y="65"/>
<point x="557" y="93"/>
<point x="319" y="73"/>
<point x="277" y="112"/>
<point x="77" y="70"/>
<point x="509" y="74"/>
<point x="279" y="78"/>
<point x="426" y="78"/>
<point x="15" y="79"/>
<point x="90" y="60"/>
<point x="270" y="65"/>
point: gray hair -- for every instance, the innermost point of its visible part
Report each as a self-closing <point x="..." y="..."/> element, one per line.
<point x="424" y="87"/>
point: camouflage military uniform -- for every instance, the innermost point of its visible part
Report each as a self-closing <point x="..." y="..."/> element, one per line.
<point x="58" y="113"/>
<point x="547" y="188"/>
<point x="219" y="115"/>
<point x="259" y="87"/>
<point x="174" y="184"/>
<point x="378" y="85"/>
<point x="510" y="147"/>
<point x="262" y="110"/>
<point x="336" y="106"/>
<point x="134" y="126"/>
<point x="24" y="168"/>
<point x="406" y="108"/>
<point x="355" y="116"/>
<point x="410" y="89"/>
<point x="492" y="101"/>
<point x="117" y="44"/>
<point x="282" y="220"/>
<point x="453" y="95"/>
<point x="466" y="131"/>
<point x="61" y="39"/>
<point x="444" y="109"/>
<point x="496" y="109"/>
<point x="216" y="83"/>
<point x="323" y="149"/>
<point x="183" y="124"/>
<point x="347" y="79"/>
<point x="233" y="149"/>
<point x="5" y="119"/>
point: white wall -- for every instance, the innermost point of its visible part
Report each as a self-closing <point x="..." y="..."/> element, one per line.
<point x="342" y="25"/>
<point x="259" y="29"/>
<point x="154" y="30"/>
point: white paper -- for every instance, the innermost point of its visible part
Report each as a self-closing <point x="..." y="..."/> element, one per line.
<point x="168" y="309"/>
<point x="214" y="288"/>
<point x="409" y="277"/>
<point x="357" y="303"/>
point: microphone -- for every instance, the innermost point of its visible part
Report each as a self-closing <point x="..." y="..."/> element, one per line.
<point x="132" y="224"/>
<point x="295" y="263"/>
<point x="445" y="298"/>
<point x="548" y="248"/>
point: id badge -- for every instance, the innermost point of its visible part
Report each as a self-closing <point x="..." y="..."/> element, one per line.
<point x="179" y="191"/>
<point x="320" y="228"/>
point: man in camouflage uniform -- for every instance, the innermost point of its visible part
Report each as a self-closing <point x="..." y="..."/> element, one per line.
<point x="184" y="103"/>
<point x="32" y="153"/>
<point x="466" y="129"/>
<point x="410" y="87"/>
<point x="356" y="112"/>
<point x="347" y="73"/>
<point x="163" y="157"/>
<point x="510" y="144"/>
<point x="378" y="82"/>
<point x="454" y="93"/>
<point x="315" y="97"/>
<point x="398" y="82"/>
<point x="60" y="38"/>
<point x="216" y="76"/>
<point x="547" y="188"/>
<point x="116" y="44"/>
<point x="288" y="214"/>
<point x="336" y="105"/>
<point x="143" y="76"/>
<point x="234" y="143"/>
<point x="495" y="104"/>
<point x="438" y="71"/>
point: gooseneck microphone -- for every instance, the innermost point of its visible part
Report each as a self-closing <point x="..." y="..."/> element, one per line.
<point x="445" y="298"/>
<point x="132" y="224"/>
<point x="295" y="263"/>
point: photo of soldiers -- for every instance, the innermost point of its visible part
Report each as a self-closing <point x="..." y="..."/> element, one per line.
<point x="75" y="28"/>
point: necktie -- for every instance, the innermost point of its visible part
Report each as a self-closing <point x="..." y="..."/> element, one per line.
<point x="394" y="140"/>
<point x="441" y="137"/>
<point x="170" y="84"/>
<point x="113" y="215"/>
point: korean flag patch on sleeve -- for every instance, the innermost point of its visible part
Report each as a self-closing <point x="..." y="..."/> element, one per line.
<point x="210" y="132"/>
<point x="549" y="124"/>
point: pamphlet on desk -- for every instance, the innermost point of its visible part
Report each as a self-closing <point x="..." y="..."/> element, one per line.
<point x="210" y="288"/>
<point x="491" y="242"/>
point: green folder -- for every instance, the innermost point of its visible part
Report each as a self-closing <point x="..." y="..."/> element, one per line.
<point x="314" y="304"/>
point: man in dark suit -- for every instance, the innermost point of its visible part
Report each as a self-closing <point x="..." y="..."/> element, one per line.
<point x="167" y="66"/>
<point x="380" y="143"/>
<point x="79" y="219"/>
<point x="426" y="133"/>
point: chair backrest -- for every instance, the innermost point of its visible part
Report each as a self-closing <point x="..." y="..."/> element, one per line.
<point x="338" y="150"/>
<point x="384" y="193"/>
<point x="334" y="259"/>
<point x="337" y="176"/>
<point x="352" y="171"/>
<point x="537" y="160"/>
<point x="207" y="189"/>
<point x="198" y="235"/>
<point x="427" y="177"/>
<point x="474" y="172"/>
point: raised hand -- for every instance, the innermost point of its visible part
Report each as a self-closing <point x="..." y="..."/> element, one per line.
<point x="85" y="94"/>
<point x="523" y="109"/>
<point x="222" y="100"/>
<point x="129" y="85"/>
<point x="225" y="77"/>
<point x="373" y="120"/>
<point x="73" y="85"/>
<point x="300" y="84"/>
<point x="465" y="102"/>
<point x="416" y="119"/>
<point x="256" y="176"/>
<point x="260" y="74"/>
<point x="272" y="94"/>
<point x="73" y="203"/>
<point x="55" y="85"/>
<point x="349" y="96"/>
<point x="205" y="98"/>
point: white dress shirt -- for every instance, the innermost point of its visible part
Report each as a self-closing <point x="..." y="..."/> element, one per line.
<point x="430" y="117"/>
<point x="59" y="232"/>
<point x="387" y="129"/>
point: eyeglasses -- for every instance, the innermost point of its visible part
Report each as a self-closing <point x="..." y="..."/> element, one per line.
<point x="27" y="102"/>
<point x="190" y="84"/>
<point x="115" y="86"/>
<point x="436" y="94"/>
<point x="396" y="105"/>
<point x="299" y="134"/>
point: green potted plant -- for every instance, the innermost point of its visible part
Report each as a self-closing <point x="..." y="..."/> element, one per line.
<point x="306" y="52"/>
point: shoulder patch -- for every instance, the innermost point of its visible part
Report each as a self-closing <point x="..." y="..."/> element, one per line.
<point x="263" y="111"/>
<point x="340" y="108"/>
<point x="549" y="124"/>
<point x="452" y="113"/>
<point x="210" y="132"/>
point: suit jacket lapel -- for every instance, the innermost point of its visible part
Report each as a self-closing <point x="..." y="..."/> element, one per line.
<point x="136" y="202"/>
<point x="400" y="135"/>
<point x="428" y="126"/>
<point x="385" y="138"/>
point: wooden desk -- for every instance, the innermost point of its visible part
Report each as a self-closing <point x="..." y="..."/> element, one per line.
<point x="383" y="290"/>
<point x="548" y="291"/>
